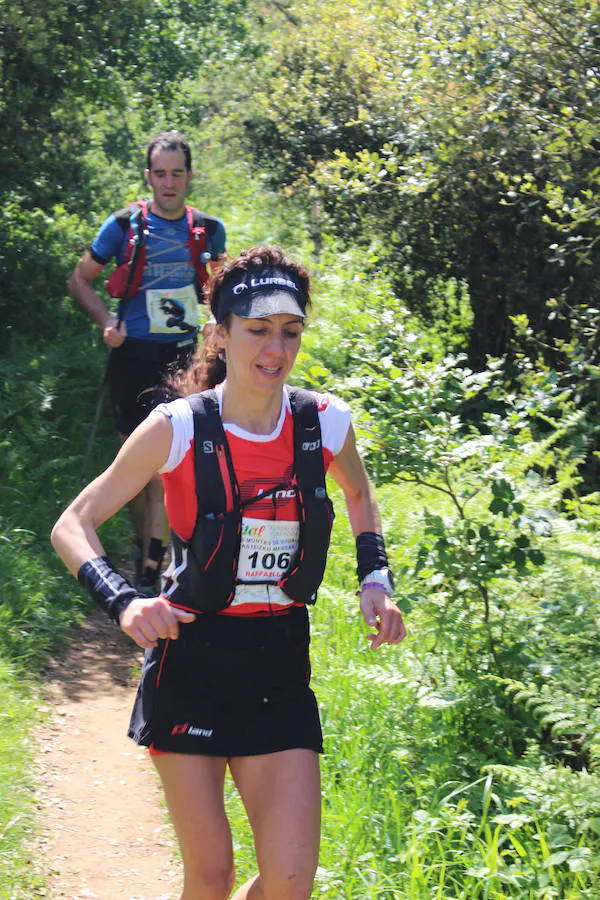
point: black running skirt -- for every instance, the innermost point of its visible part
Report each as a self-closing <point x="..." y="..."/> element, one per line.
<point x="229" y="686"/>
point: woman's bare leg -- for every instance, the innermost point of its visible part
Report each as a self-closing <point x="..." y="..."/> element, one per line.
<point x="193" y="788"/>
<point x="282" y="796"/>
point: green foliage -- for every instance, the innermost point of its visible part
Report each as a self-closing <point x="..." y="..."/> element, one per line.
<point x="418" y="725"/>
<point x="462" y="143"/>
<point x="47" y="400"/>
<point x="39" y="251"/>
<point x="580" y="376"/>
<point x="253" y="213"/>
<point x="18" y="714"/>
<point x="562" y="715"/>
<point x="55" y="55"/>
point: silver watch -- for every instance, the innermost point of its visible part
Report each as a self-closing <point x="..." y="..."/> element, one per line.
<point x="381" y="577"/>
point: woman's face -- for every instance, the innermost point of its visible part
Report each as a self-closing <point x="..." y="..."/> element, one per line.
<point x="260" y="353"/>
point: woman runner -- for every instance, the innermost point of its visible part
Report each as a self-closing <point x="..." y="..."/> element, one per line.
<point x="226" y="674"/>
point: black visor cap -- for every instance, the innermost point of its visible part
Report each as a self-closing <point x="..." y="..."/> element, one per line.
<point x="261" y="292"/>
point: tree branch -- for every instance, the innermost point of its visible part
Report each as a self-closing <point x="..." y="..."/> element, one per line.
<point x="285" y="12"/>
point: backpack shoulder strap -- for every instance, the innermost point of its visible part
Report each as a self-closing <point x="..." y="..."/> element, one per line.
<point x="135" y="254"/>
<point x="123" y="216"/>
<point x="197" y="228"/>
<point x="198" y="247"/>
<point x="125" y="281"/>
<point x="210" y="223"/>
<point x="309" y="466"/>
<point x="213" y="466"/>
<point x="198" y="218"/>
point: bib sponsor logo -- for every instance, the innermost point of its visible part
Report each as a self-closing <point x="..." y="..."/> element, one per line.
<point x="171" y="310"/>
<point x="250" y="530"/>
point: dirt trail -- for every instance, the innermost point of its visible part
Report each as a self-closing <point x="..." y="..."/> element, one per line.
<point x="104" y="833"/>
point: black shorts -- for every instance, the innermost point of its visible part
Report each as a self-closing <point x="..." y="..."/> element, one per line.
<point x="230" y="686"/>
<point x="136" y="378"/>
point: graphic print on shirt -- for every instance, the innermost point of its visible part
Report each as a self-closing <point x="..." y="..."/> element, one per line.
<point x="169" y="308"/>
<point x="273" y="504"/>
<point x="174" y="309"/>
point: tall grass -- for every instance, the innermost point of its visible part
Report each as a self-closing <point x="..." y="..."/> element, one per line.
<point x="19" y="878"/>
<point x="409" y="811"/>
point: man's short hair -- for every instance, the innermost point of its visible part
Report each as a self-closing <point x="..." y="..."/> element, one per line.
<point x="169" y="140"/>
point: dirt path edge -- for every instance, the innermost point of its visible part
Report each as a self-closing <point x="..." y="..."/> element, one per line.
<point x="104" y="833"/>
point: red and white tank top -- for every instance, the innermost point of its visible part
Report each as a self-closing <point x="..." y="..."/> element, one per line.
<point x="261" y="461"/>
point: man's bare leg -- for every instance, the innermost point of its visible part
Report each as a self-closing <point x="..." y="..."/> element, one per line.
<point x="155" y="533"/>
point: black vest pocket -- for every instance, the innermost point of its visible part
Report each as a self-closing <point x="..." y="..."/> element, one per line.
<point x="208" y="579"/>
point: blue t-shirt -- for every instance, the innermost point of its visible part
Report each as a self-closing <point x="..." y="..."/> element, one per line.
<point x="166" y="307"/>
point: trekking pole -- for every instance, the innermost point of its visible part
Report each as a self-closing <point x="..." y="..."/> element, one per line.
<point x="99" y="405"/>
<point x="94" y="429"/>
<point x="101" y="393"/>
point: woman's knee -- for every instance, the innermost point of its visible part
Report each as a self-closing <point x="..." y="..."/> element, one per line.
<point x="287" y="884"/>
<point x="204" y="883"/>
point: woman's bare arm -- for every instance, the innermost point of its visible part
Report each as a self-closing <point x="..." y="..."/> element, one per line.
<point x="74" y="537"/>
<point x="378" y="609"/>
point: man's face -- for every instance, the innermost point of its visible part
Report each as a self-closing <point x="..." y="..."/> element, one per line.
<point x="169" y="180"/>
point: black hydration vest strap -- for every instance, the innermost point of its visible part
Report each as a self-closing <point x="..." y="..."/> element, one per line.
<point x="315" y="508"/>
<point x="212" y="457"/>
<point x="308" y="450"/>
<point x="209" y="437"/>
<point x="206" y="583"/>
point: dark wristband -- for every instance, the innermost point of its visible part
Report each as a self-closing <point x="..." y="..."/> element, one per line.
<point x="106" y="586"/>
<point x="370" y="553"/>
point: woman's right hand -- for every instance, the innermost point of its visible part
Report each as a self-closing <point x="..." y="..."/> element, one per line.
<point x="146" y="619"/>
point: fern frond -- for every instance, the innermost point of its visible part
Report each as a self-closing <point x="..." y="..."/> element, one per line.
<point x="565" y="715"/>
<point x="555" y="791"/>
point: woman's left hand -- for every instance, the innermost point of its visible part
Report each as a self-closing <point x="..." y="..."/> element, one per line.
<point x="380" y="612"/>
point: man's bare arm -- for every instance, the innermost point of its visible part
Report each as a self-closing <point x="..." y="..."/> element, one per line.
<point x="82" y="290"/>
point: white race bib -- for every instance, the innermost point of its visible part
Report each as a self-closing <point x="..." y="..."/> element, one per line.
<point x="266" y="550"/>
<point x="170" y="309"/>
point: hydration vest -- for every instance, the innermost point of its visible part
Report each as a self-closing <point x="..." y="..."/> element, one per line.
<point x="124" y="282"/>
<point x="209" y="560"/>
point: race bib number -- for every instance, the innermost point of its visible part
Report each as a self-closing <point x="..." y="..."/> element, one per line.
<point x="172" y="310"/>
<point x="267" y="549"/>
